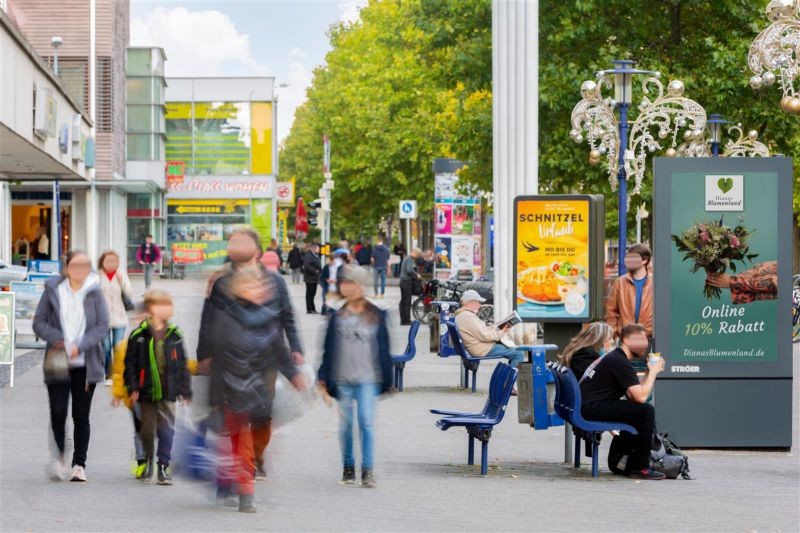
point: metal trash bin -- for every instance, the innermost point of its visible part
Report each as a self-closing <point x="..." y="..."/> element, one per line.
<point x="525" y="395"/>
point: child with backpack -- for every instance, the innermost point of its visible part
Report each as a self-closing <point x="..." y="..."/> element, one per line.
<point x="156" y="376"/>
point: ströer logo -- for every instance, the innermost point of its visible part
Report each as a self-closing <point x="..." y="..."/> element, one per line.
<point x="725" y="184"/>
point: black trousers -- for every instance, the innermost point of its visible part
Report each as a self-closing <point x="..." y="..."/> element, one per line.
<point x="641" y="416"/>
<point x="405" y="301"/>
<point x="59" y="394"/>
<point x="311" y="292"/>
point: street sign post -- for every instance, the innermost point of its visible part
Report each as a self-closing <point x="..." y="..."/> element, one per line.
<point x="408" y="211"/>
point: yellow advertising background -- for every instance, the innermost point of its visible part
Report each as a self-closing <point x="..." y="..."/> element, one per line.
<point x="556" y="247"/>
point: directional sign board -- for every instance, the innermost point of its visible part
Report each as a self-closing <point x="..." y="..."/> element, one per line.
<point x="408" y="209"/>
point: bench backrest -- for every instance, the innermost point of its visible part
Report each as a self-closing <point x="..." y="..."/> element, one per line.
<point x="500" y="387"/>
<point x="455" y="338"/>
<point x="568" y="393"/>
<point x="411" y="347"/>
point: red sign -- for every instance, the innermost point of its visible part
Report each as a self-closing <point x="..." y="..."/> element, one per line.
<point x="300" y="220"/>
<point x="175" y="172"/>
<point x="187" y="255"/>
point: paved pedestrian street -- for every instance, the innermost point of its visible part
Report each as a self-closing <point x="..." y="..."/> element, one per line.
<point x="423" y="481"/>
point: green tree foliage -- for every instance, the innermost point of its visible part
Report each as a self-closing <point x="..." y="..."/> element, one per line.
<point x="392" y="97"/>
<point x="411" y="81"/>
<point x="703" y="43"/>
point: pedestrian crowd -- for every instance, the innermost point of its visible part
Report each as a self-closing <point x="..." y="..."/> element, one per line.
<point x="248" y="335"/>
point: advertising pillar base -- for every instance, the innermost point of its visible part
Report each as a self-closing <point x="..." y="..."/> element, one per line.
<point x="726" y="413"/>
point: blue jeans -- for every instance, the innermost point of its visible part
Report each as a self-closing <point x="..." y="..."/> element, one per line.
<point x="514" y="357"/>
<point x="380" y="273"/>
<point x="365" y="394"/>
<point x="110" y="341"/>
<point x="324" y="287"/>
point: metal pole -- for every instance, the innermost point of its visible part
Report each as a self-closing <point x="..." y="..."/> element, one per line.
<point x="408" y="235"/>
<point x="568" y="458"/>
<point x="715" y="149"/>
<point x="57" y="220"/>
<point x="638" y="227"/>
<point x="623" y="187"/>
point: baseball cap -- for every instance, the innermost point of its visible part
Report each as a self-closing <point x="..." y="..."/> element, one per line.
<point x="471" y="296"/>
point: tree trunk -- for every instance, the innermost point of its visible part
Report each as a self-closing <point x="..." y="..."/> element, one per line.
<point x="675" y="31"/>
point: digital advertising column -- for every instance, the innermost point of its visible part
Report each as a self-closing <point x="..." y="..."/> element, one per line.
<point x="723" y="264"/>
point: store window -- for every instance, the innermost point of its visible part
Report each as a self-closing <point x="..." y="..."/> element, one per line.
<point x="145" y="147"/>
<point x="221" y="138"/>
<point x="179" y="133"/>
<point x="206" y="225"/>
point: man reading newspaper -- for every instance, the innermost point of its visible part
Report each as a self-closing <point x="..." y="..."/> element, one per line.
<point x="479" y="338"/>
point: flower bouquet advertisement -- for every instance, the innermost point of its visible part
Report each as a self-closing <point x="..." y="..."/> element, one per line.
<point x="723" y="269"/>
<point x="554" y="258"/>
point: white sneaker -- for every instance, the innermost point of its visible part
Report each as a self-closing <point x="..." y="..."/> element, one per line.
<point x="78" y="474"/>
<point x="109" y="382"/>
<point x="55" y="470"/>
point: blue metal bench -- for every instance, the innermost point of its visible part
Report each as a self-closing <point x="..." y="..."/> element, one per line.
<point x="568" y="407"/>
<point x="399" y="361"/>
<point x="479" y="425"/>
<point x="470" y="362"/>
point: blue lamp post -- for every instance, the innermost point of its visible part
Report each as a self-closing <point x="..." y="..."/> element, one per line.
<point x="623" y="72"/>
<point x="715" y="123"/>
<point x="663" y="112"/>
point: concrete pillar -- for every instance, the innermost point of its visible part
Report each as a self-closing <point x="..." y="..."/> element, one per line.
<point x="515" y="112"/>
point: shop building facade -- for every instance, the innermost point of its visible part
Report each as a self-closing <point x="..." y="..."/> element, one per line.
<point x="91" y="67"/>
<point x="44" y="140"/>
<point x="222" y="133"/>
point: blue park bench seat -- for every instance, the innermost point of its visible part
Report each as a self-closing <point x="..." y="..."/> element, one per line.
<point x="479" y="425"/>
<point x="470" y="362"/>
<point x="399" y="361"/>
<point x="568" y="407"/>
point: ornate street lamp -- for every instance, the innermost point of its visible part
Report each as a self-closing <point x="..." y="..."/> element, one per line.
<point x="708" y="145"/>
<point x="656" y="126"/>
<point x="773" y="53"/>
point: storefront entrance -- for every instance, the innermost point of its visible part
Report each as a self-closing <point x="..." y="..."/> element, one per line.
<point x="32" y="224"/>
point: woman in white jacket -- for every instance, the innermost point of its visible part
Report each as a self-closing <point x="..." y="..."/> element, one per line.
<point x="115" y="286"/>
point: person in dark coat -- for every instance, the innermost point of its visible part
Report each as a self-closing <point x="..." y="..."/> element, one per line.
<point x="356" y="368"/>
<point x="311" y="271"/>
<point x="72" y="317"/>
<point x="251" y="349"/>
<point x="243" y="248"/>
<point x="295" y="261"/>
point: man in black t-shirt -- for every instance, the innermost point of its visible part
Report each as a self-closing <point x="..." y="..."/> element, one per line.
<point x="613" y="377"/>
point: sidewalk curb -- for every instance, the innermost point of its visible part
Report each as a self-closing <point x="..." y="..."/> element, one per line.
<point x="22" y="363"/>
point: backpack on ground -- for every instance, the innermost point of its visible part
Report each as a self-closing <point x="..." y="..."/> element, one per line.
<point x="667" y="458"/>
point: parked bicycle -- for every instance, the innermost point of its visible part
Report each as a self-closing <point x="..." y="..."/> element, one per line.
<point x="450" y="291"/>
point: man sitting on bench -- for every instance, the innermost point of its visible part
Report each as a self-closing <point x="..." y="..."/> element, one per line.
<point x="479" y="338"/>
<point x="609" y="378"/>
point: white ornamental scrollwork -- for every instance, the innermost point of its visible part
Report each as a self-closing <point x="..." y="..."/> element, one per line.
<point x="660" y="121"/>
<point x="593" y="117"/>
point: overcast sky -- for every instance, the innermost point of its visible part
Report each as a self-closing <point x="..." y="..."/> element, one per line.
<point x="281" y="38"/>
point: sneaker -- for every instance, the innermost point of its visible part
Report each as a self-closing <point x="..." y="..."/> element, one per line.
<point x="55" y="470"/>
<point x="246" y="504"/>
<point x="163" y="475"/>
<point x="349" y="475"/>
<point x="260" y="474"/>
<point x="367" y="478"/>
<point x="78" y="474"/>
<point x="141" y="468"/>
<point x="109" y="382"/>
<point x="226" y="498"/>
<point x="647" y="473"/>
<point x="147" y="474"/>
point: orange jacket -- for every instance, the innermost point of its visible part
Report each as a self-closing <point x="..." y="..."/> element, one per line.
<point x="621" y="304"/>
